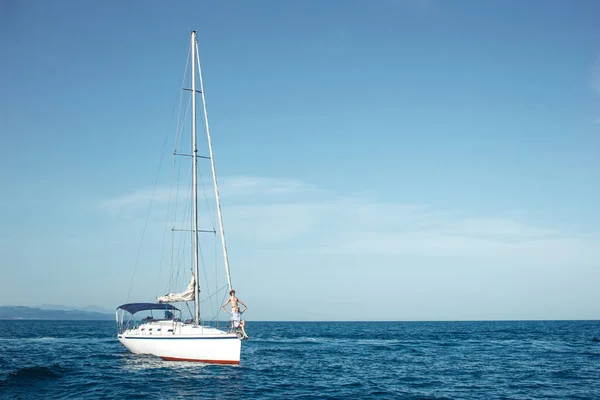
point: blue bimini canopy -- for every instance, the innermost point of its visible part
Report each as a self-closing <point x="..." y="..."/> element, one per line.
<point x="132" y="308"/>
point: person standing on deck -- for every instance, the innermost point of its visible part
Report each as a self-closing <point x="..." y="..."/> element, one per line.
<point x="234" y="301"/>
<point x="236" y="321"/>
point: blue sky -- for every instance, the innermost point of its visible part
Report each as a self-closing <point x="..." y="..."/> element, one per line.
<point x="395" y="160"/>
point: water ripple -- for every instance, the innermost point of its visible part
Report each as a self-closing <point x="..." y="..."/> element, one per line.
<point x="410" y="360"/>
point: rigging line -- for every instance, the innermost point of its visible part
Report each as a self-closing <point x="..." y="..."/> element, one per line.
<point x="222" y="301"/>
<point x="177" y="166"/>
<point x="143" y="233"/>
<point x="172" y="262"/>
<point x="178" y="171"/>
<point x="179" y="262"/>
<point x="173" y="257"/>
<point x="180" y="129"/>
<point x="196" y="278"/>
<point x="205" y="274"/>
<point x="175" y="163"/>
<point x="186" y="217"/>
<point x="179" y="120"/>
<point x="166" y="225"/>
<point x="204" y="264"/>
<point x="180" y="126"/>
<point x="169" y="205"/>
<point x="214" y="294"/>
<point x="210" y="212"/>
<point x="215" y="316"/>
<point x="216" y="274"/>
<point x="204" y="269"/>
<point x="162" y="250"/>
<point x="214" y="173"/>
<point x="211" y="218"/>
<point x="137" y="260"/>
<point x="181" y="247"/>
<point x="177" y="280"/>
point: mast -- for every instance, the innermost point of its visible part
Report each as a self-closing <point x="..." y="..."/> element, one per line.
<point x="214" y="173"/>
<point x="195" y="186"/>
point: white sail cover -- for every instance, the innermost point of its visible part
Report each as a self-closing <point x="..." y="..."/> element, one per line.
<point x="188" y="295"/>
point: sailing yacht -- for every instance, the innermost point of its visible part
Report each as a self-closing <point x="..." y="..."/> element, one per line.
<point x="168" y="336"/>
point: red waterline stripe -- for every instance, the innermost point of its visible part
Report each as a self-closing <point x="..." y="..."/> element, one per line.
<point x="204" y="361"/>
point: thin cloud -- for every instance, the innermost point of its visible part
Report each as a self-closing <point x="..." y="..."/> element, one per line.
<point x="541" y="252"/>
<point x="354" y="225"/>
<point x="135" y="200"/>
<point x="503" y="228"/>
<point x="258" y="212"/>
<point x="231" y="188"/>
<point x="253" y="186"/>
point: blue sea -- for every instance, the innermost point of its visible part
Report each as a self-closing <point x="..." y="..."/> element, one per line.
<point x="306" y="360"/>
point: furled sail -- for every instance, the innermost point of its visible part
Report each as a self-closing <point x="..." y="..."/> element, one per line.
<point x="188" y="295"/>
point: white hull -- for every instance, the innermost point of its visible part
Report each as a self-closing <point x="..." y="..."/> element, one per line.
<point x="177" y="342"/>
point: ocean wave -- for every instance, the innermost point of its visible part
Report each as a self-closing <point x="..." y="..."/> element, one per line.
<point x="36" y="373"/>
<point x="320" y="360"/>
<point x="279" y="340"/>
<point x="60" y="339"/>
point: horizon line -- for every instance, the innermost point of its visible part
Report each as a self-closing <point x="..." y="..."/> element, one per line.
<point x="340" y="321"/>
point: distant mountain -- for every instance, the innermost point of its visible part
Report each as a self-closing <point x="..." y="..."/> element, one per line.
<point x="54" y="307"/>
<point x="101" y="310"/>
<point x="21" y="312"/>
<point x="89" y="308"/>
